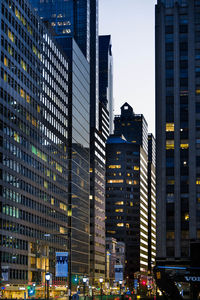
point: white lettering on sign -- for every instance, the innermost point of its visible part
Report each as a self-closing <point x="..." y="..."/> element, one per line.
<point x="192" y="278"/>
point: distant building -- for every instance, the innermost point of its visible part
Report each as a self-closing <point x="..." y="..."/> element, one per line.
<point x="111" y="244"/>
<point x="127" y="189"/>
<point x="151" y="202"/>
<point x="120" y="253"/>
<point x="106" y="76"/>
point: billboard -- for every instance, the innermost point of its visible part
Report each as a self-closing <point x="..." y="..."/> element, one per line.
<point x="118" y="273"/>
<point x="61" y="264"/>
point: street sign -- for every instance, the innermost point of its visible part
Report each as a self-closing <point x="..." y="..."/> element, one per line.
<point x="61" y="264"/>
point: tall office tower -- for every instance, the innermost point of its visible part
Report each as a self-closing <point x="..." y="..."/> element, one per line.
<point x="106" y="75"/>
<point x="177" y="128"/>
<point x="74" y="41"/>
<point x="151" y="201"/>
<point x="127" y="189"/>
<point x="34" y="158"/>
<point x="80" y="19"/>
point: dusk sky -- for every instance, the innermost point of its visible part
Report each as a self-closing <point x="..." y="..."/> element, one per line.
<point x="131" y="25"/>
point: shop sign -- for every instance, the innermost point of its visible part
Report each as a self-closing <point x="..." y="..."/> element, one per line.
<point x="192" y="278"/>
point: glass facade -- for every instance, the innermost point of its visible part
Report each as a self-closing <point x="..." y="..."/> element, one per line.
<point x="33" y="147"/>
<point x="68" y="19"/>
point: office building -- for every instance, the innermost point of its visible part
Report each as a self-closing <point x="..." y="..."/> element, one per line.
<point x="36" y="166"/>
<point x="127" y="189"/>
<point x="151" y="202"/>
<point x="106" y="76"/>
<point x="177" y="129"/>
<point x="83" y="19"/>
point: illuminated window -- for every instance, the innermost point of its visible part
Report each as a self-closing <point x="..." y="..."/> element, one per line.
<point x="123" y="124"/>
<point x="11" y="35"/>
<point x="128" y="124"/>
<point x="16" y="137"/>
<point x="62" y="230"/>
<point x="91" y="170"/>
<point x="27" y="98"/>
<point x="170" y="235"/>
<point x="115" y="181"/>
<point x="10" y="51"/>
<point x="198" y="181"/>
<point x="133" y="142"/>
<point x="120" y="224"/>
<point x="184" y="144"/>
<point x="169" y="144"/>
<point x="119" y="203"/>
<point x="119" y="210"/>
<point x="52" y="201"/>
<point x="111" y="231"/>
<point x="127" y="225"/>
<point x="63" y="206"/>
<point x="198" y="91"/>
<point x="58" y="168"/>
<point x="114" y="167"/>
<point x="5" y="76"/>
<point x="187" y="217"/>
<point x="45" y="184"/>
<point x="69" y="213"/>
<point x="118" y="152"/>
<point x="90" y="197"/>
<point x="128" y="174"/>
<point x="38" y="109"/>
<point x="5" y="61"/>
<point x="169" y="126"/>
<point x="132" y="182"/>
<point x="23" y="65"/>
<point x="22" y="93"/>
<point x="136" y="168"/>
<point x="131" y="203"/>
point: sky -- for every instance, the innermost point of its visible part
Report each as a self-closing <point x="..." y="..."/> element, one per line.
<point x="131" y="25"/>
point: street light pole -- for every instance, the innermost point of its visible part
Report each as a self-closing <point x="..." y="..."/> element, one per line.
<point x="84" y="283"/>
<point x="47" y="277"/>
<point x="101" y="281"/>
<point x="120" y="287"/>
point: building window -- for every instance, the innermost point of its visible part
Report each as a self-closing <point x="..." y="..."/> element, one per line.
<point x="169" y="144"/>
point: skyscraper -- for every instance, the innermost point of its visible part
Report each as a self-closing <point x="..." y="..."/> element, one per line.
<point x="177" y="128"/>
<point x="151" y="202"/>
<point x="127" y="189"/>
<point x="106" y="76"/>
<point x="79" y="20"/>
<point x="34" y="158"/>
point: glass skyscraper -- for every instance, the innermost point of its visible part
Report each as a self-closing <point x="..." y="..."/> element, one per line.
<point x="34" y="159"/>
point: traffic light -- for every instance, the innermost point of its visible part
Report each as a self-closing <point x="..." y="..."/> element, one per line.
<point x="31" y="291"/>
<point x="75" y="279"/>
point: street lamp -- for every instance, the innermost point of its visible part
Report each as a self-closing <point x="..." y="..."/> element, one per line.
<point x="47" y="277"/>
<point x="101" y="281"/>
<point x="120" y="287"/>
<point x="84" y="283"/>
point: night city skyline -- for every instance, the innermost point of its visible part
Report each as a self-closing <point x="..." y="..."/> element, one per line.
<point x="94" y="203"/>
